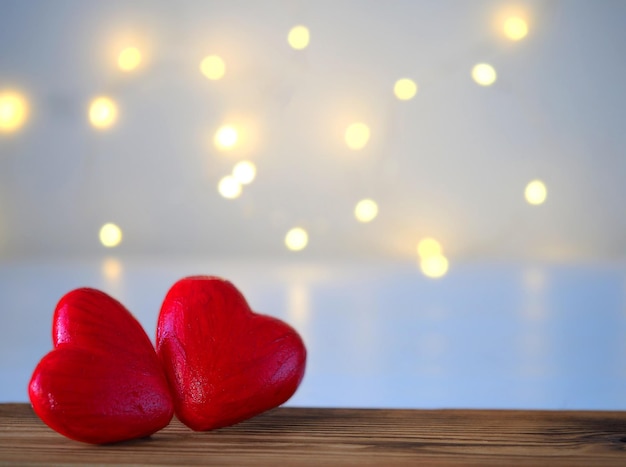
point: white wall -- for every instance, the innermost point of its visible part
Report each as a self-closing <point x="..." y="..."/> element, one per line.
<point x="451" y="163"/>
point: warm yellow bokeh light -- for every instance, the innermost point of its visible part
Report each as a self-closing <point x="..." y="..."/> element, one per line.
<point x="112" y="269"/>
<point x="296" y="239"/>
<point x="13" y="111"/>
<point x="434" y="266"/>
<point x="405" y="89"/>
<point x="129" y="59"/>
<point x="536" y="192"/>
<point x="357" y="135"/>
<point x="366" y="210"/>
<point x="299" y="37"/>
<point x="244" y="172"/>
<point x="110" y="235"/>
<point x="515" y="28"/>
<point x="428" y="247"/>
<point x="484" y="74"/>
<point x="226" y="137"/>
<point x="102" y="112"/>
<point x="213" y="67"/>
<point x="229" y="187"/>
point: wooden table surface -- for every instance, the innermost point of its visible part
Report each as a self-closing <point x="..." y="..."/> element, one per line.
<point x="303" y="436"/>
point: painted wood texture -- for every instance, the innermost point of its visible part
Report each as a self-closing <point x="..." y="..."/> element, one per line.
<point x="307" y="436"/>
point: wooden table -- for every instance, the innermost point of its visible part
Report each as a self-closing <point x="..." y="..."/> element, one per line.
<point x="295" y="436"/>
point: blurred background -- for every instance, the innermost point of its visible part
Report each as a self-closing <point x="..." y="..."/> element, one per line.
<point x="429" y="191"/>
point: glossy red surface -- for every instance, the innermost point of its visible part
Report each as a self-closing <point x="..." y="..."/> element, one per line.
<point x="224" y="362"/>
<point x="103" y="382"/>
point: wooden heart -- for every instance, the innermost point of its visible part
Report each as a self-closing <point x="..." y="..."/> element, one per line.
<point x="224" y="362"/>
<point x="103" y="382"/>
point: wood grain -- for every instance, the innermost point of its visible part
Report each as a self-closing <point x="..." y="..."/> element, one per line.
<point x="295" y="436"/>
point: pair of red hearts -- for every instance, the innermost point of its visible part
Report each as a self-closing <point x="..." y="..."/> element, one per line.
<point x="216" y="363"/>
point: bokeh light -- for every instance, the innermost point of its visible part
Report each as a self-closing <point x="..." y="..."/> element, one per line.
<point x="299" y="37"/>
<point x="129" y="59"/>
<point x="226" y="137"/>
<point x="366" y="210"/>
<point x="434" y="266"/>
<point x="536" y="192"/>
<point x="112" y="269"/>
<point x="102" y="112"/>
<point x="428" y="247"/>
<point x="484" y="74"/>
<point x="244" y="172"/>
<point x="229" y="187"/>
<point x="13" y="111"/>
<point x="405" y="89"/>
<point x="357" y="135"/>
<point x="110" y="235"/>
<point x="515" y="28"/>
<point x="213" y="67"/>
<point x="296" y="239"/>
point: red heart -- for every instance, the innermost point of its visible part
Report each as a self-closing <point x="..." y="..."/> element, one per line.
<point x="103" y="382"/>
<point x="224" y="363"/>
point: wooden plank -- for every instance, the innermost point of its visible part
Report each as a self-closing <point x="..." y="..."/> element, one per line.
<point x="300" y="436"/>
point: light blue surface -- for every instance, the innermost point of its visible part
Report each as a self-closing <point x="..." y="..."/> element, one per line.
<point x="487" y="335"/>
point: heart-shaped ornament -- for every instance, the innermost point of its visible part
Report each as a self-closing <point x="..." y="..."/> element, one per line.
<point x="224" y="362"/>
<point x="103" y="382"/>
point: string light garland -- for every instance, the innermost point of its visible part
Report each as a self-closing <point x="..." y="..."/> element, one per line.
<point x="434" y="266"/>
<point x="536" y="192"/>
<point x="229" y="187"/>
<point x="484" y="74"/>
<point x="432" y="261"/>
<point x="296" y="239"/>
<point x="429" y="247"/>
<point x="357" y="136"/>
<point x="244" y="172"/>
<point x="226" y="137"/>
<point x="299" y="37"/>
<point x="366" y="210"/>
<point x="405" y="89"/>
<point x="103" y="114"/>
<point x="110" y="235"/>
<point x="213" y="67"/>
<point x="13" y="111"/>
<point x="515" y="28"/>
<point x="129" y="59"/>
